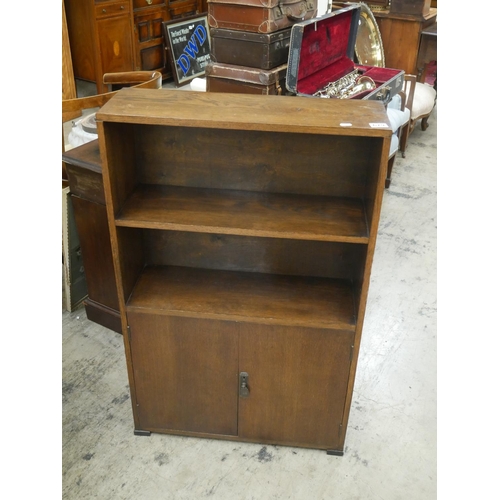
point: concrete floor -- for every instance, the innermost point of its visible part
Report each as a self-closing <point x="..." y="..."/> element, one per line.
<point x="391" y="450"/>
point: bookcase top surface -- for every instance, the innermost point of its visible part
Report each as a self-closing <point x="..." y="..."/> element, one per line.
<point x="247" y="112"/>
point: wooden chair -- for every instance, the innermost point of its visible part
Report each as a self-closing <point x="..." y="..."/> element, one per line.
<point x="421" y="100"/>
<point x="77" y="286"/>
<point x="399" y="117"/>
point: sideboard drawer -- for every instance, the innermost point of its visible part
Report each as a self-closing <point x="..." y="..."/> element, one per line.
<point x="111" y="9"/>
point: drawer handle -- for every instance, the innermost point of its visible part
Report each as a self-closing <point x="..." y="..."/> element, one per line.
<point x="122" y="7"/>
<point x="104" y="10"/>
<point x="149" y="2"/>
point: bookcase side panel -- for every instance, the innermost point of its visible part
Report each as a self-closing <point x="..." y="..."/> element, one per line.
<point x="372" y="194"/>
<point x="373" y="204"/>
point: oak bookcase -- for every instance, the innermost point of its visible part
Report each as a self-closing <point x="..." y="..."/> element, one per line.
<point x="243" y="230"/>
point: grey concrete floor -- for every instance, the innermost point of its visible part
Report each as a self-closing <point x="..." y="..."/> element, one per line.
<point x="391" y="444"/>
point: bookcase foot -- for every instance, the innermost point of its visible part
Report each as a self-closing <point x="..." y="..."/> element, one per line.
<point x="138" y="432"/>
<point x="337" y="453"/>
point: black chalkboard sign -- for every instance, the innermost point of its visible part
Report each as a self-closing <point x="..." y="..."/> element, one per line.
<point x="188" y="41"/>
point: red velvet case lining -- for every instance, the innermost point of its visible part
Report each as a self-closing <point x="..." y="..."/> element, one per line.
<point x="324" y="57"/>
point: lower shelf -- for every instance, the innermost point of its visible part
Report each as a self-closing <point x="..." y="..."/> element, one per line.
<point x="243" y="296"/>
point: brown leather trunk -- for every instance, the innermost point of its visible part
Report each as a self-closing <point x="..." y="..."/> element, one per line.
<point x="256" y="50"/>
<point x="259" y="16"/>
<point x="245" y="80"/>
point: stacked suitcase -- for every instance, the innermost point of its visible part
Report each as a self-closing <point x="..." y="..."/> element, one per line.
<point x="250" y="41"/>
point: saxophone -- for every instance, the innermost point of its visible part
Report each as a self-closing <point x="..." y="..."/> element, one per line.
<point x="347" y="87"/>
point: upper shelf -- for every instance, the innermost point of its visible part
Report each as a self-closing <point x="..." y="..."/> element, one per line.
<point x="247" y="112"/>
<point x="306" y="217"/>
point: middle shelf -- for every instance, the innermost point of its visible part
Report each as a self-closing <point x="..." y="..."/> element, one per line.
<point x="247" y="213"/>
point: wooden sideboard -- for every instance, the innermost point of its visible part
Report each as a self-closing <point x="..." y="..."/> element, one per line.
<point x="401" y="36"/>
<point x="83" y="165"/>
<point x="111" y="36"/>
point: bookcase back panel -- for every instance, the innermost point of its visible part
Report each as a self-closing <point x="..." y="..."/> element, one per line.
<point x="260" y="255"/>
<point x="255" y="161"/>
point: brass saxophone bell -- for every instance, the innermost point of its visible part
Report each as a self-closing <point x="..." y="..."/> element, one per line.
<point x="363" y="84"/>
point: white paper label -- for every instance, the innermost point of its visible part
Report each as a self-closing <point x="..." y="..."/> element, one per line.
<point x="346" y="124"/>
<point x="379" y="125"/>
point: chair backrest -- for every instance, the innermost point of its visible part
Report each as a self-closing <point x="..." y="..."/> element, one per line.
<point x="138" y="79"/>
<point x="409" y="90"/>
<point x="141" y="79"/>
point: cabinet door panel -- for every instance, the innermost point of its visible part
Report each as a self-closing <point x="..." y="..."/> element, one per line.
<point x="297" y="380"/>
<point x="115" y="44"/>
<point x="150" y="44"/>
<point x="185" y="373"/>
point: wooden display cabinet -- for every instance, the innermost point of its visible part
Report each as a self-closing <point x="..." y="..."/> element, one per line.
<point x="243" y="230"/>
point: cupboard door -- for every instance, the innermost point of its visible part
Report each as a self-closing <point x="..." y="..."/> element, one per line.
<point x="116" y="50"/>
<point x="149" y="41"/>
<point x="185" y="373"/>
<point x="297" y="381"/>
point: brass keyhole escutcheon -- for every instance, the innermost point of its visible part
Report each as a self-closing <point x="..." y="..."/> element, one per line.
<point x="244" y="389"/>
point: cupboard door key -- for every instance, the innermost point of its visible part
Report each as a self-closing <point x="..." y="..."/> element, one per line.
<point x="244" y="390"/>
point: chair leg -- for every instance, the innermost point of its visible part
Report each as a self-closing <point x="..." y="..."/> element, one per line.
<point x="390" y="164"/>
<point x="424" y="124"/>
<point x="403" y="140"/>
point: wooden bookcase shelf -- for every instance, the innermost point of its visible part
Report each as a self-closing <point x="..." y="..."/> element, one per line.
<point x="243" y="229"/>
<point x="246" y="213"/>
